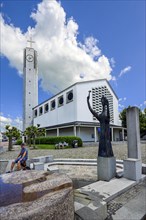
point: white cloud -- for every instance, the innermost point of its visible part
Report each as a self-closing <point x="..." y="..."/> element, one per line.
<point x="113" y="78"/>
<point x="113" y="62"/>
<point x="122" y="99"/>
<point x="17" y="122"/>
<point x="61" y="57"/>
<point x="144" y="103"/>
<point x="90" y="47"/>
<point x="125" y="70"/>
<point x="121" y="106"/>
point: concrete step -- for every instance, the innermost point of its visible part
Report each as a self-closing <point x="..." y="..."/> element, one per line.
<point x="135" y="209"/>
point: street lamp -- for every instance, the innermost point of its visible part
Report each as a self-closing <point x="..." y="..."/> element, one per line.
<point x="10" y="137"/>
<point x="38" y="125"/>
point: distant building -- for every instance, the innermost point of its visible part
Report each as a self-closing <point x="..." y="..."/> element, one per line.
<point x="67" y="113"/>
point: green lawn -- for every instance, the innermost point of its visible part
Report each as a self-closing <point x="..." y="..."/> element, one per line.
<point x="47" y="146"/>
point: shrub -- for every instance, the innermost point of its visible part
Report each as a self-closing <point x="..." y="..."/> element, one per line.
<point x="18" y="142"/>
<point x="56" y="140"/>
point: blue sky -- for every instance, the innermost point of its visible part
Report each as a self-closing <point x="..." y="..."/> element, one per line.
<point x="92" y="39"/>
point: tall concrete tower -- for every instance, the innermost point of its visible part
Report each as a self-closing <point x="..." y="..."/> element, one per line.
<point x="30" y="86"/>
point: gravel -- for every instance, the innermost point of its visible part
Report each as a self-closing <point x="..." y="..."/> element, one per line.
<point x="86" y="152"/>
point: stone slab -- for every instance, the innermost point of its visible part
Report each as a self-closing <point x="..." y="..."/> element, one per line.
<point x="135" y="209"/>
<point x="109" y="190"/>
<point x="38" y="166"/>
<point x="89" y="206"/>
<point x="132" y="169"/>
<point x="106" y="168"/>
<point x="40" y="196"/>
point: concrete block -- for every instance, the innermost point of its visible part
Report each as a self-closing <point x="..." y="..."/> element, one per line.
<point x="106" y="167"/>
<point x="49" y="158"/>
<point x="132" y="169"/>
<point x="143" y="168"/>
<point x="1" y="149"/>
<point x="38" y="166"/>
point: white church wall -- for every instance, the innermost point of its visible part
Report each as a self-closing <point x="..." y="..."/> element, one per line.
<point x="75" y="109"/>
<point x="62" y="113"/>
<point x="66" y="131"/>
<point x="86" y="134"/>
<point x="83" y="113"/>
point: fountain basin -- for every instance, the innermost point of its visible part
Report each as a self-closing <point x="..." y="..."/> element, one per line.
<point x="36" y="195"/>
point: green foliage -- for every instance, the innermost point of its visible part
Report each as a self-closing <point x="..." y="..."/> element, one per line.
<point x="18" y="142"/>
<point x="41" y="132"/>
<point x="11" y="132"/>
<point x="46" y="146"/>
<point x="142" y="120"/>
<point x="122" y="117"/>
<point x="56" y="140"/>
<point x="31" y="132"/>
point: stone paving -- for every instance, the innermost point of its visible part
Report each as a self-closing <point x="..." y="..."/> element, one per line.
<point x="123" y="199"/>
<point x="88" y="151"/>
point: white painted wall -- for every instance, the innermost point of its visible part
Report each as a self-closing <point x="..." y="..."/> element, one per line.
<point x="63" y="114"/>
<point x="77" y="110"/>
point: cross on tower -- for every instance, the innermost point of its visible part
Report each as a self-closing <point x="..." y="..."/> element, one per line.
<point x="31" y="42"/>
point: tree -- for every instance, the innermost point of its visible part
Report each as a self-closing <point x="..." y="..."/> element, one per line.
<point x="122" y="117"/>
<point x="31" y="133"/>
<point x="11" y="132"/>
<point x="142" y="120"/>
<point x="41" y="132"/>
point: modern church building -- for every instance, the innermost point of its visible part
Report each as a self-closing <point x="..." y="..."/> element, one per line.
<point x="67" y="113"/>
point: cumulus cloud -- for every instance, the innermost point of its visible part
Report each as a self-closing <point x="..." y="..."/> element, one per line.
<point x="16" y="122"/>
<point x="125" y="70"/>
<point x="61" y="57"/>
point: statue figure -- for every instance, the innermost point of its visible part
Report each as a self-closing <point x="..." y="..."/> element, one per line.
<point x="105" y="147"/>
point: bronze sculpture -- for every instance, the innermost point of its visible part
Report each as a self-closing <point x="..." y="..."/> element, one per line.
<point x="105" y="147"/>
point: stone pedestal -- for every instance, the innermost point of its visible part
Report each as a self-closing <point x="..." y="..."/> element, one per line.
<point x="133" y="133"/>
<point x="106" y="168"/>
<point x="132" y="169"/>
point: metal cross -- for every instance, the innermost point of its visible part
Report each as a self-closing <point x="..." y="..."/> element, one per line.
<point x="31" y="42"/>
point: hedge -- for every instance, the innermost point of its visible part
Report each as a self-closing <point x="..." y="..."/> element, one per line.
<point x="56" y="140"/>
<point x="18" y="142"/>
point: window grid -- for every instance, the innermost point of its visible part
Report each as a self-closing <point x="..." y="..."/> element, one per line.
<point x="97" y="93"/>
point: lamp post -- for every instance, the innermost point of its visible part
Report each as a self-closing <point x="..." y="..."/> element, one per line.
<point x="10" y="137"/>
<point x="38" y="125"/>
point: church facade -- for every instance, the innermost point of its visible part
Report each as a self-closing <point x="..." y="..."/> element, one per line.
<point x="67" y="113"/>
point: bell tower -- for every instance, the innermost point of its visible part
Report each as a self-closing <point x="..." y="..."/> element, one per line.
<point x="30" y="84"/>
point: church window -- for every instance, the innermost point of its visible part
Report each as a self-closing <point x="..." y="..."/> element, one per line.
<point x="29" y="69"/>
<point x="69" y="96"/>
<point x="60" y="101"/>
<point x="29" y="80"/>
<point x="35" y="113"/>
<point x="46" y="107"/>
<point x="53" y="104"/>
<point x="41" y="110"/>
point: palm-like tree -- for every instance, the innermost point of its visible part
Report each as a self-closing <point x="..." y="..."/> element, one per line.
<point x="11" y="132"/>
<point x="31" y="132"/>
